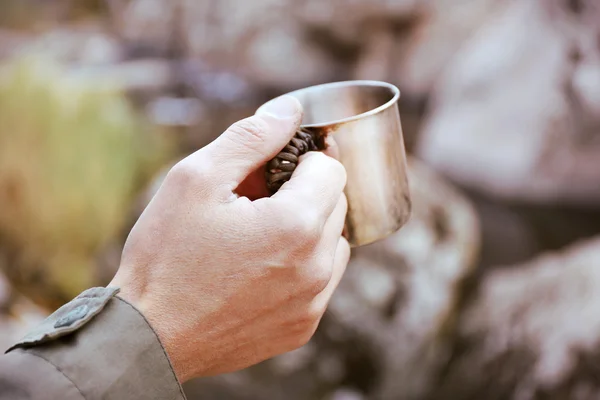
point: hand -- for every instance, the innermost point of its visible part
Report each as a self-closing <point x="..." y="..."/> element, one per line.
<point x="226" y="281"/>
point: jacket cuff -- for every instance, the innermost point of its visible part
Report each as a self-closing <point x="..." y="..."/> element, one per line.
<point x="106" y="347"/>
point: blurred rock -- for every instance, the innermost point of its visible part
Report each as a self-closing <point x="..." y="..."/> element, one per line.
<point x="508" y="237"/>
<point x="437" y="33"/>
<point x="513" y="234"/>
<point x="399" y="295"/>
<point x="409" y="42"/>
<point x="283" y="44"/>
<point x="387" y="329"/>
<point x="172" y="111"/>
<point x="516" y="115"/>
<point x="531" y="332"/>
<point x="11" y="41"/>
<point x="346" y="28"/>
<point x="344" y="18"/>
<point x="345" y="394"/>
<point x="375" y="61"/>
<point x="86" y="45"/>
<point x="147" y="26"/>
<point x="147" y="76"/>
<point x="280" y="58"/>
<point x="261" y="39"/>
<point x="277" y="45"/>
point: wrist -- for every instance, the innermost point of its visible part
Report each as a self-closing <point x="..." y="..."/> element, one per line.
<point x="163" y="329"/>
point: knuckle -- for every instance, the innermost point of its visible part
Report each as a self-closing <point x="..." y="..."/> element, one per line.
<point x="283" y="221"/>
<point x="304" y="322"/>
<point x="315" y="313"/>
<point x="338" y="170"/>
<point x="329" y="164"/>
<point x="300" y="340"/>
<point x="302" y="327"/>
<point x="307" y="226"/>
<point x="316" y="159"/>
<point x="318" y="278"/>
<point x="304" y="338"/>
<point x="307" y="324"/>
<point x="334" y="168"/>
<point x="186" y="172"/>
<point x="303" y="227"/>
<point x="252" y="131"/>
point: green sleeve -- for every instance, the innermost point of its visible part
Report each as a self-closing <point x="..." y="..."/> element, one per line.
<point x="97" y="346"/>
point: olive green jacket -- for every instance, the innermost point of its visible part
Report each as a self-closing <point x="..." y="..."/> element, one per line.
<point x="97" y="346"/>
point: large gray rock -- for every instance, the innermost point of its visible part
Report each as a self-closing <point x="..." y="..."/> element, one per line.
<point x="283" y="44"/>
<point x="348" y="21"/>
<point x="531" y="332"/>
<point x="147" y="25"/>
<point x="517" y="113"/>
<point x="262" y="39"/>
<point x="83" y="45"/>
<point x="399" y="295"/>
<point x="436" y="34"/>
<point x="287" y="43"/>
<point x="386" y="332"/>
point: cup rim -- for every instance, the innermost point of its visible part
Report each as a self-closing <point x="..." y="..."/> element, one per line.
<point x="374" y="111"/>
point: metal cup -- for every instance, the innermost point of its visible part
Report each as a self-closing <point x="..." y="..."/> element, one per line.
<point x="363" y="119"/>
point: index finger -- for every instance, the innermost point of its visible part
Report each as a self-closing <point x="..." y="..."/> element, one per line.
<point x="316" y="184"/>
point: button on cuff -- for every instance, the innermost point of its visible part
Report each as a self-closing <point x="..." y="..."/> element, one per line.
<point x="70" y="317"/>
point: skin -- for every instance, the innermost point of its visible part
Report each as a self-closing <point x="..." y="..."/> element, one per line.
<point x="226" y="276"/>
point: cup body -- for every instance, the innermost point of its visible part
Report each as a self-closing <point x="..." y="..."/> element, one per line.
<point x="363" y="119"/>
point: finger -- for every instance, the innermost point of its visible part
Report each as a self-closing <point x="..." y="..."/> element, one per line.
<point x="253" y="141"/>
<point x="315" y="187"/>
<point x="332" y="232"/>
<point x="340" y="262"/>
<point x="335" y="223"/>
<point x="332" y="149"/>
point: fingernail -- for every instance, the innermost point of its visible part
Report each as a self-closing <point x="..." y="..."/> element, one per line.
<point x="282" y="107"/>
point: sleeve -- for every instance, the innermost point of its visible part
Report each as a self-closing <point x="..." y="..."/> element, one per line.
<point x="98" y="346"/>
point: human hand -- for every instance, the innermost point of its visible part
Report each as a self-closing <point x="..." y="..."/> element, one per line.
<point x="228" y="280"/>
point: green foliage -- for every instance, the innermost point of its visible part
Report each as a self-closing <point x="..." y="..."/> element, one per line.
<point x="73" y="154"/>
<point x="39" y="14"/>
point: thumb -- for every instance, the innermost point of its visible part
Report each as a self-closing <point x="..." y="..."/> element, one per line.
<point x="252" y="142"/>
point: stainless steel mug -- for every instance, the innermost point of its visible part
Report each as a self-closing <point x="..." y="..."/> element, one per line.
<point x="364" y="121"/>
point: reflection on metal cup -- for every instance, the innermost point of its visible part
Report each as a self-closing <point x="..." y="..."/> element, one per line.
<point x="363" y="119"/>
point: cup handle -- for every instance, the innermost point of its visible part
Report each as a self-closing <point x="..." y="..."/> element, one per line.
<point x="280" y="169"/>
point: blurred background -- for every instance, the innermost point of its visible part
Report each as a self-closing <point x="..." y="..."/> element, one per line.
<point x="492" y="290"/>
